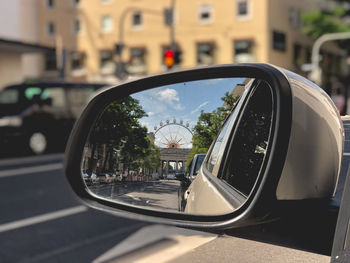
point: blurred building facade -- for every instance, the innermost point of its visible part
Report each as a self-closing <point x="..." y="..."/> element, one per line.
<point x="91" y="33"/>
<point x="21" y="56"/>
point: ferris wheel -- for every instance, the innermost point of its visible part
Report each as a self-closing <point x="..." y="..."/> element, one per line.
<point x="173" y="135"/>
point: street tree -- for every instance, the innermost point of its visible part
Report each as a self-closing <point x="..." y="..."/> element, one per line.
<point x="209" y="125"/>
<point x="320" y="22"/>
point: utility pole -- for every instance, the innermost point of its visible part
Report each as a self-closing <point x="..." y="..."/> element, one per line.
<point x="316" y="71"/>
<point x="172" y="26"/>
<point x="60" y="57"/>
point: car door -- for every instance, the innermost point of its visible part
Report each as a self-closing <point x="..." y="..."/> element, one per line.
<point x="235" y="162"/>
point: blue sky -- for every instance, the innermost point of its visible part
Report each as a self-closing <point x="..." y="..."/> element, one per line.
<point x="183" y="101"/>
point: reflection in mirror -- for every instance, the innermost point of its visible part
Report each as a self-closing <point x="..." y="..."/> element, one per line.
<point x="147" y="149"/>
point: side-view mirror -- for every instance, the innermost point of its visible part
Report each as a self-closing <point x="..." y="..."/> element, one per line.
<point x="271" y="137"/>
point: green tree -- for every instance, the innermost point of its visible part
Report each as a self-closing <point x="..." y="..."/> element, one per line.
<point x="320" y="22"/>
<point x="209" y="125"/>
<point x="118" y="129"/>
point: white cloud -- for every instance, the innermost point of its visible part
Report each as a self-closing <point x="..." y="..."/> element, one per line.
<point x="168" y="95"/>
<point x="199" y="107"/>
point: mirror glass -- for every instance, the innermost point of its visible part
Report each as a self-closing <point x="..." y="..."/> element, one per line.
<point x="147" y="149"/>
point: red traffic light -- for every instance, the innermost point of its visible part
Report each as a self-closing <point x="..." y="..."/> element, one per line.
<point x="169" y="56"/>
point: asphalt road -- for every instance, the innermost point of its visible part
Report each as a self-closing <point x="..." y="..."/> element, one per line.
<point x="160" y="194"/>
<point x="41" y="221"/>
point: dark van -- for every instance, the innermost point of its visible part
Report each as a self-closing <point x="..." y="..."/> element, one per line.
<point x="38" y="117"/>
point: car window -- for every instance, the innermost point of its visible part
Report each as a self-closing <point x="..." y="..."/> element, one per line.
<point x="213" y="158"/>
<point x="199" y="162"/>
<point x="9" y="96"/>
<point x="251" y="141"/>
<point x="56" y="95"/>
<point x="78" y="98"/>
<point x="188" y="169"/>
<point x="30" y="92"/>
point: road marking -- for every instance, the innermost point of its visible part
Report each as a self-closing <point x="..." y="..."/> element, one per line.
<point x="46" y="256"/>
<point x="155" y="243"/>
<point x="42" y="218"/>
<point x="30" y="170"/>
<point x="32" y="159"/>
<point x="346" y="154"/>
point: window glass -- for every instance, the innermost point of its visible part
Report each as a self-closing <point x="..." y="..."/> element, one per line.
<point x="242" y="8"/>
<point x="30" y="92"/>
<point x="78" y="98"/>
<point x="188" y="169"/>
<point x="9" y="96"/>
<point x="50" y="3"/>
<point x="251" y="141"/>
<point x="78" y="60"/>
<point x="51" y="29"/>
<point x="213" y="159"/>
<point x="297" y="56"/>
<point x="106" y="24"/>
<point x="76" y="26"/>
<point x="50" y="61"/>
<point x="205" y="54"/>
<point x="205" y="13"/>
<point x="243" y="51"/>
<point x="199" y="163"/>
<point x="136" y="19"/>
<point x="106" y="62"/>
<point x="76" y="2"/>
<point x="56" y="95"/>
<point x="137" y="61"/>
<point x="279" y="41"/>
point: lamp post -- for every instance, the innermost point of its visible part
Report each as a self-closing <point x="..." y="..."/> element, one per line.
<point x="316" y="71"/>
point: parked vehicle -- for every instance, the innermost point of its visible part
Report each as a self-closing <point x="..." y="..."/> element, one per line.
<point x="187" y="177"/>
<point x="38" y="117"/>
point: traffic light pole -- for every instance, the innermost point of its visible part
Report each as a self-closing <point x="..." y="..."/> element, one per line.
<point x="172" y="26"/>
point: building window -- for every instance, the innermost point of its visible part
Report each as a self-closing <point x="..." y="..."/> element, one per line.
<point x="297" y="56"/>
<point x="243" y="51"/>
<point x="294" y="18"/>
<point x="106" y="62"/>
<point x="279" y="41"/>
<point x="242" y="8"/>
<point x="50" y="61"/>
<point x="136" y="20"/>
<point x="205" y="54"/>
<point x="137" y="61"/>
<point x="205" y="14"/>
<point x="77" y="61"/>
<point x="76" y="3"/>
<point x="50" y="4"/>
<point x="76" y="26"/>
<point x="106" y="24"/>
<point x="50" y="29"/>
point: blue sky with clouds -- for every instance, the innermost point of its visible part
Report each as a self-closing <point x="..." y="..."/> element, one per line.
<point x="183" y="101"/>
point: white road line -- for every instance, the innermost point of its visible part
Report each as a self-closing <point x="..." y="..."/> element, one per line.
<point x="32" y="159"/>
<point x="146" y="240"/>
<point x="31" y="169"/>
<point x="42" y="218"/>
<point x="346" y="154"/>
